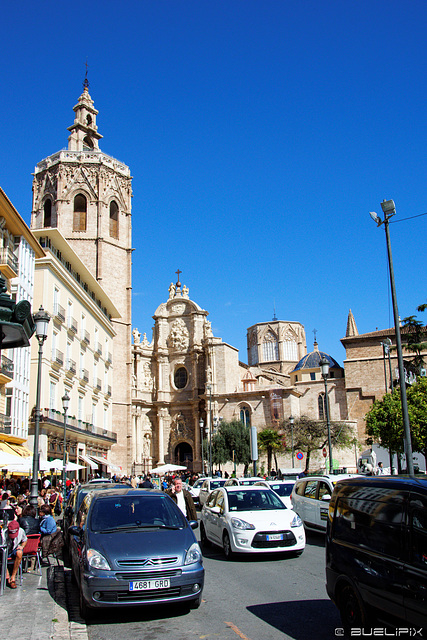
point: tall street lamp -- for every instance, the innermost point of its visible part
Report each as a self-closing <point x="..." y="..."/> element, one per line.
<point x="324" y="368"/>
<point x="291" y="422"/>
<point x="65" y="404"/>
<point x="389" y="210"/>
<point x="209" y="388"/>
<point x="201" y="425"/>
<point x="41" y="320"/>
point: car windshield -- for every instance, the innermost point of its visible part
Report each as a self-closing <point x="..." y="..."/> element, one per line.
<point x="216" y="483"/>
<point x="282" y="489"/>
<point x="246" y="483"/>
<point x="254" y="501"/>
<point x="122" y="512"/>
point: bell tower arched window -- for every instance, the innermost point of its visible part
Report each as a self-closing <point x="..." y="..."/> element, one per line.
<point x="80" y="213"/>
<point x="321" y="405"/>
<point x="47" y="213"/>
<point x="114" y="220"/>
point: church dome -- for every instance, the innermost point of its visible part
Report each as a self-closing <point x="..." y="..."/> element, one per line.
<point x="312" y="360"/>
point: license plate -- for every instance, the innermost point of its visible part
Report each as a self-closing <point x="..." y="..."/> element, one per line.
<point x="145" y="585"/>
<point x="274" y="536"/>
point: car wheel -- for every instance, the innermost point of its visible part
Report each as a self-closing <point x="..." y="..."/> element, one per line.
<point x="226" y="545"/>
<point x="203" y="538"/>
<point x="353" y="612"/>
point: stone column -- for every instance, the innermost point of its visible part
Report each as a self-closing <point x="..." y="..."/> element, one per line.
<point x="161" y="414"/>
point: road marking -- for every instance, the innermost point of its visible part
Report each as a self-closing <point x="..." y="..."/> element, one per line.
<point x="236" y="630"/>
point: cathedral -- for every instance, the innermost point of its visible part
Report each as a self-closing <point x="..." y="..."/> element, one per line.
<point x="163" y="395"/>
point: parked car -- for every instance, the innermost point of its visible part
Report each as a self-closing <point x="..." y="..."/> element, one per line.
<point x="241" y="482"/>
<point x="283" y="488"/>
<point x="310" y="499"/>
<point x="195" y="489"/>
<point x="208" y="485"/>
<point x="376" y="551"/>
<point x="250" y="519"/>
<point x="100" y="480"/>
<point x="134" y="547"/>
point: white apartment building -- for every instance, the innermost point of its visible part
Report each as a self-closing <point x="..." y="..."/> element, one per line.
<point x="77" y="357"/>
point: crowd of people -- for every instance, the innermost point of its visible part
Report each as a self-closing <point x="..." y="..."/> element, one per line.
<point x="19" y="519"/>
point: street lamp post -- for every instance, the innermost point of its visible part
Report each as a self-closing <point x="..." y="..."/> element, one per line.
<point x="389" y="210"/>
<point x="209" y="388"/>
<point x="201" y="425"/>
<point x="65" y="404"/>
<point x="291" y="422"/>
<point x="41" y="320"/>
<point x="324" y="368"/>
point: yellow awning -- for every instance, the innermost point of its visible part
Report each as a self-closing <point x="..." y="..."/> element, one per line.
<point x="7" y="448"/>
<point x="20" y="450"/>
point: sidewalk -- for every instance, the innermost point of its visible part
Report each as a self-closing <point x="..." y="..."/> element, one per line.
<point x="38" y="609"/>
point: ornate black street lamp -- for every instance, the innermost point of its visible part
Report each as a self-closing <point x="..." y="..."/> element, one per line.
<point x="41" y="321"/>
<point x="65" y="404"/>
<point x="324" y="368"/>
<point x="291" y="422"/>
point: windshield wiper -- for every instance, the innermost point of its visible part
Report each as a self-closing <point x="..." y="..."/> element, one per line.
<point x="136" y="526"/>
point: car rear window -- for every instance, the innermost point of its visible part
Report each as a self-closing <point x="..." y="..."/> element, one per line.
<point x="137" y="511"/>
<point x="253" y="501"/>
<point x="282" y="489"/>
<point x="217" y="483"/>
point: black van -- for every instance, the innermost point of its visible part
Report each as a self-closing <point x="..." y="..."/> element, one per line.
<point x="376" y="551"/>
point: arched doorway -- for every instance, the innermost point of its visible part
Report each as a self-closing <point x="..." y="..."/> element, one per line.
<point x="184" y="455"/>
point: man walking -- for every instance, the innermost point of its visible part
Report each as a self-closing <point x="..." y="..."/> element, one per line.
<point x="183" y="499"/>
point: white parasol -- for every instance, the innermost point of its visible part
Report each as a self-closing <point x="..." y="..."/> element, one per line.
<point x="167" y="468"/>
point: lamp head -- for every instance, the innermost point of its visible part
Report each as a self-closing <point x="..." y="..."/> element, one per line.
<point x="41" y="320"/>
<point x="324" y="366"/>
<point x="388" y="207"/>
<point x="375" y="217"/>
<point x="201" y="423"/>
<point x="291" y="419"/>
<point x="66" y="401"/>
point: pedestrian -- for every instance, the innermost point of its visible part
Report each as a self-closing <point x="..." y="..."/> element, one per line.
<point x="380" y="469"/>
<point x="16" y="540"/>
<point x="182" y="498"/>
<point x="28" y="521"/>
<point x="147" y="484"/>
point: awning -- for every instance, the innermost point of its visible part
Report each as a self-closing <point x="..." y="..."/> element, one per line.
<point x="88" y="461"/>
<point x="4" y="446"/>
<point x="98" y="459"/>
<point x="20" y="449"/>
<point x="114" y="468"/>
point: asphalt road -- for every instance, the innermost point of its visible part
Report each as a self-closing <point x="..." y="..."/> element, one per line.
<point x="251" y="598"/>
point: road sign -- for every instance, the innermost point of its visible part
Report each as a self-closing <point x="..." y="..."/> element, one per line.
<point x="300" y="455"/>
<point x="324" y="452"/>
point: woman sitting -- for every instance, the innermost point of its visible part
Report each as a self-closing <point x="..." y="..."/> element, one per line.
<point x="49" y="532"/>
<point x="28" y="520"/>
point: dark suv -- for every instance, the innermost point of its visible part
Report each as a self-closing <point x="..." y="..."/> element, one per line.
<point x="376" y="551"/>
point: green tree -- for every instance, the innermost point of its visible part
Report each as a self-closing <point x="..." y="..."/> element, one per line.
<point x="232" y="439"/>
<point x="415" y="339"/>
<point x="384" y="423"/>
<point x="312" y="435"/>
<point x="270" y="442"/>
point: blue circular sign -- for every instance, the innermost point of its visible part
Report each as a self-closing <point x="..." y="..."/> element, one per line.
<point x="300" y="455"/>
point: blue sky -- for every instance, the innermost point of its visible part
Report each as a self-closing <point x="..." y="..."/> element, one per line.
<point x="259" y="135"/>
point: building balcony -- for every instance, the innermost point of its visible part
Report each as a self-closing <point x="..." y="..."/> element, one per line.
<point x="108" y="393"/>
<point x="9" y="265"/>
<point x="72" y="325"/>
<point x="98" y="349"/>
<point x="84" y="375"/>
<point x="54" y="421"/>
<point x="6" y="370"/>
<point x="110" y="358"/>
<point x="86" y="337"/>
<point x="98" y="384"/>
<point x="58" y="313"/>
<point x="70" y="366"/>
<point x="57" y="358"/>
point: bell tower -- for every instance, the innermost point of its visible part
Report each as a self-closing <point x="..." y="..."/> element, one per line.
<point x="86" y="194"/>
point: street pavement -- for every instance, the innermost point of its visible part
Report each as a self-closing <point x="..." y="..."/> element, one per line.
<point x="42" y="608"/>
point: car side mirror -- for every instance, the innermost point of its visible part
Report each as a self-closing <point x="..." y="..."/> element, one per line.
<point x="326" y="497"/>
<point x="215" y="510"/>
<point x="76" y="531"/>
<point x="193" y="524"/>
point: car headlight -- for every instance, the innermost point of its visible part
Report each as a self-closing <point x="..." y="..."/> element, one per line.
<point x="296" y="521"/>
<point x="96" y="560"/>
<point x="193" y="554"/>
<point x="237" y="523"/>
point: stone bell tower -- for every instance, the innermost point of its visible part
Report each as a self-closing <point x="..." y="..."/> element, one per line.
<point x="86" y="194"/>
